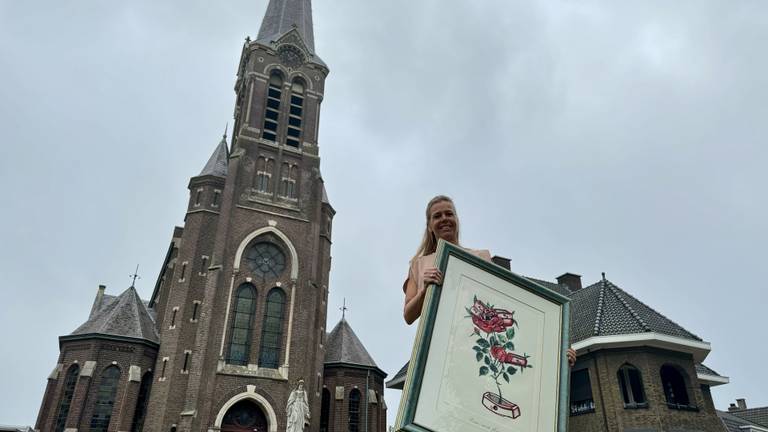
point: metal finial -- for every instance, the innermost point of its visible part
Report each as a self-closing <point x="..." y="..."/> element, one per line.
<point x="603" y="275"/>
<point x="135" y="276"/>
<point x="343" y="308"/>
<point x="226" y="126"/>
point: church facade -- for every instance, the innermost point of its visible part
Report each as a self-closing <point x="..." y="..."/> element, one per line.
<point x="233" y="337"/>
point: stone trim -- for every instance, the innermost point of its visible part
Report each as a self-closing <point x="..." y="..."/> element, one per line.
<point x="134" y="373"/>
<point x="698" y="349"/>
<point x="88" y="368"/>
<point x="278" y="233"/>
<point x="260" y="400"/>
<point x="56" y="371"/>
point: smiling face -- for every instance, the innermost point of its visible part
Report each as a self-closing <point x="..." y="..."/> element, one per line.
<point x="443" y="222"/>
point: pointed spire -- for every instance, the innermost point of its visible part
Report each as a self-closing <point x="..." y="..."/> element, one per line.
<point x="344" y="346"/>
<point x="217" y="164"/>
<point x="284" y="15"/>
<point x="125" y="315"/>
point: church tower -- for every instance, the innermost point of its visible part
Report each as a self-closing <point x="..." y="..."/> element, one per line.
<point x="241" y="300"/>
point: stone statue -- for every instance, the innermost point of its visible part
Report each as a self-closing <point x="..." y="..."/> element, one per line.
<point x="298" y="409"/>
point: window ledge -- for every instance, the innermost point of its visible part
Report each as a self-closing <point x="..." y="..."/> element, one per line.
<point x="636" y="405"/>
<point x="682" y="407"/>
<point x="252" y="370"/>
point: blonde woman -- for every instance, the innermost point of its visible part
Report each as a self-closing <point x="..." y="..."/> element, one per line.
<point x="442" y="223"/>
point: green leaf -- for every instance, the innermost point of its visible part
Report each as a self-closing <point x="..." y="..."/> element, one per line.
<point x="483" y="370"/>
<point x="509" y="346"/>
<point x="483" y="343"/>
<point x="502" y="339"/>
<point x="493" y="367"/>
<point x="487" y="360"/>
<point x="485" y="350"/>
<point x="479" y="356"/>
<point x="506" y="377"/>
<point x="511" y="370"/>
<point x="477" y="348"/>
<point x="474" y="297"/>
<point x="492" y="340"/>
<point x="510" y="333"/>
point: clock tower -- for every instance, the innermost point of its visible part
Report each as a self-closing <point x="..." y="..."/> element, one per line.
<point x="242" y="298"/>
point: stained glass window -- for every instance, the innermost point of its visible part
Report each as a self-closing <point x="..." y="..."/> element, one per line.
<point x="272" y="332"/>
<point x="242" y="323"/>
<point x="141" y="403"/>
<point x="66" y="398"/>
<point x="105" y="399"/>
<point x="354" y="410"/>
<point x="266" y="260"/>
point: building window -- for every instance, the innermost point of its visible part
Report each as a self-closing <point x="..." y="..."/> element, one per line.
<point x="203" y="265"/>
<point x="263" y="174"/>
<point x="198" y="196"/>
<point x="216" y="194"/>
<point x="242" y="324"/>
<point x="354" y="410"/>
<point x="296" y="113"/>
<point x="325" y="409"/>
<point x="581" y="393"/>
<point x="631" y="385"/>
<point x="272" y="112"/>
<point x="185" y="366"/>
<point x="272" y="333"/>
<point x="66" y="398"/>
<point x="183" y="274"/>
<point x="162" y="371"/>
<point x="142" y="402"/>
<point x="288" y="181"/>
<point x="173" y="318"/>
<point x="195" y="308"/>
<point x="105" y="399"/>
<point x="675" y="391"/>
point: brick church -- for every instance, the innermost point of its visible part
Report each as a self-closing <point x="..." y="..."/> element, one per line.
<point x="233" y="337"/>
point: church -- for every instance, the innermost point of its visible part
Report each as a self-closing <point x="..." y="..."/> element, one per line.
<point x="233" y="337"/>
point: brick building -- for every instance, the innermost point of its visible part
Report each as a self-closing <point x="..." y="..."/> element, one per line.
<point x="235" y="327"/>
<point x="636" y="371"/>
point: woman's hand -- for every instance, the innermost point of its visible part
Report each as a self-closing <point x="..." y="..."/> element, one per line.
<point x="432" y="276"/>
<point x="571" y="354"/>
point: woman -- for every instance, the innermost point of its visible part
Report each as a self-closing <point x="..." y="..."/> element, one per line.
<point x="442" y="223"/>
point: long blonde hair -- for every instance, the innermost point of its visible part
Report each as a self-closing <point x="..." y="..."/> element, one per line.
<point x="429" y="241"/>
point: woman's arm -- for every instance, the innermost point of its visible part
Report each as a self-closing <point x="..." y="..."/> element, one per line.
<point x="414" y="297"/>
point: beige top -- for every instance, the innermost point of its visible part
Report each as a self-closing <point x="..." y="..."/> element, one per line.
<point x="419" y="264"/>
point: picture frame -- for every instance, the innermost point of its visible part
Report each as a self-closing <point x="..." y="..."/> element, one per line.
<point x="489" y="353"/>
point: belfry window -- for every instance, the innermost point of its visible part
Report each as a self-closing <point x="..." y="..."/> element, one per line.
<point x="296" y="114"/>
<point x="242" y="325"/>
<point x="354" y="410"/>
<point x="272" y="332"/>
<point x="325" y="409"/>
<point x="581" y="393"/>
<point x="675" y="391"/>
<point x="142" y="402"/>
<point x="272" y="112"/>
<point x="105" y="399"/>
<point x="66" y="397"/>
<point x="631" y="385"/>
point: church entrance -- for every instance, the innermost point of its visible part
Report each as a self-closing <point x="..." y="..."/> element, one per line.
<point x="244" y="416"/>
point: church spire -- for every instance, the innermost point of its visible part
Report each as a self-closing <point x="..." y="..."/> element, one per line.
<point x="284" y="15"/>
<point x="217" y="164"/>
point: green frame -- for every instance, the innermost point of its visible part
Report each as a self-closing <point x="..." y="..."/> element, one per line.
<point x="412" y="388"/>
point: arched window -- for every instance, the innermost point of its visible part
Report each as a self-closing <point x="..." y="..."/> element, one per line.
<point x="325" y="410"/>
<point x="272" y="331"/>
<point x="242" y="324"/>
<point x="263" y="174"/>
<point x="354" y="410"/>
<point x="631" y="385"/>
<point x="288" y="178"/>
<point x="295" y="114"/>
<point x="675" y="390"/>
<point x="272" y="112"/>
<point x="105" y="399"/>
<point x="141" y="403"/>
<point x="66" y="398"/>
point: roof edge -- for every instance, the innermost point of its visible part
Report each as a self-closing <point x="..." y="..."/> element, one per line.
<point x="102" y="336"/>
<point x="712" y="380"/>
<point x="699" y="349"/>
<point x="355" y="366"/>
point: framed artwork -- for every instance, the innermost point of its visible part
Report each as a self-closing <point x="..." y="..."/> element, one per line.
<point x="489" y="354"/>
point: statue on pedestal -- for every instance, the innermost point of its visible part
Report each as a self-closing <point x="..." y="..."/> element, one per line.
<point x="297" y="409"/>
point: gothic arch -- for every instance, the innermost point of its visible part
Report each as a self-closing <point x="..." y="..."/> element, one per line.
<point x="251" y="394"/>
<point x="269" y="229"/>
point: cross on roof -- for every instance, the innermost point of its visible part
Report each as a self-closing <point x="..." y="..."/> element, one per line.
<point x="343" y="308"/>
<point x="135" y="276"/>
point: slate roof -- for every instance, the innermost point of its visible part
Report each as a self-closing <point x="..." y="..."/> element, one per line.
<point x="284" y="15"/>
<point x="125" y="316"/>
<point x="734" y="423"/>
<point x="343" y="346"/>
<point x="217" y="164"/>
<point x="758" y="416"/>
<point x="604" y="309"/>
<point x="704" y="370"/>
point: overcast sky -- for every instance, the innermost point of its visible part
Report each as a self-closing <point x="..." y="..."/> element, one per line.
<point x="574" y="136"/>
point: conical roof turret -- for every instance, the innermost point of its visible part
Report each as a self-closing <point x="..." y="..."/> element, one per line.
<point x="217" y="164"/>
<point x="345" y="347"/>
<point x="283" y="16"/>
